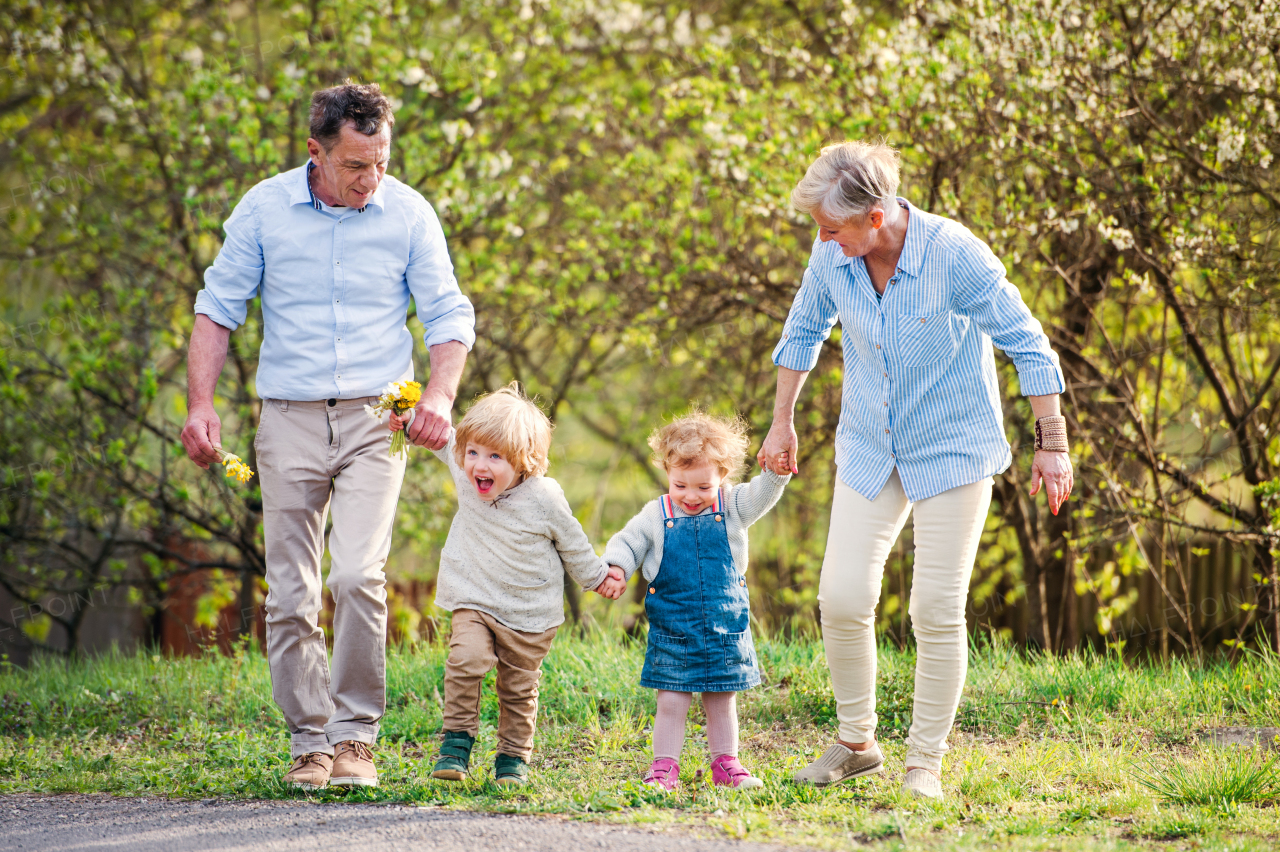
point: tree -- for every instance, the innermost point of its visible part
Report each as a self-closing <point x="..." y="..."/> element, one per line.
<point x="613" y="180"/>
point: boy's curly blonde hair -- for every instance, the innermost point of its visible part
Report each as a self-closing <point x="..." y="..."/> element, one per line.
<point x="698" y="438"/>
<point x="511" y="423"/>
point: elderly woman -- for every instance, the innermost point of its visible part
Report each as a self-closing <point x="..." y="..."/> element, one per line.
<point x="920" y="300"/>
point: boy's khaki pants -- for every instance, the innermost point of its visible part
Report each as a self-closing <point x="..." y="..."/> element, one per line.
<point x="313" y="456"/>
<point x="477" y="644"/>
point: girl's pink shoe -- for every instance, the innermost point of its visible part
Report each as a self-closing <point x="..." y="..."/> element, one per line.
<point x="728" y="772"/>
<point x="665" y="773"/>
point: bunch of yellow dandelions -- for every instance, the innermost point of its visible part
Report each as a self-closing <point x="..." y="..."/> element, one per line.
<point x="233" y="465"/>
<point x="398" y="398"/>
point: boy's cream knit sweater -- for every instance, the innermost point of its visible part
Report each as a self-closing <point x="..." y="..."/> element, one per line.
<point x="508" y="557"/>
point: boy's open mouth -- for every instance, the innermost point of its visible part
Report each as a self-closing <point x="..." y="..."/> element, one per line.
<point x="484" y="484"/>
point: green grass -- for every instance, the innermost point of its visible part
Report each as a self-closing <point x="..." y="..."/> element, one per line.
<point x="1085" y="752"/>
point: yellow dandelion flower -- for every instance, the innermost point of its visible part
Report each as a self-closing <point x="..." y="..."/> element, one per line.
<point x="235" y="467"/>
<point x="397" y="398"/>
<point x="410" y="393"/>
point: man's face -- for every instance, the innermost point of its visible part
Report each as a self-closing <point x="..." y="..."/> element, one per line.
<point x="350" y="171"/>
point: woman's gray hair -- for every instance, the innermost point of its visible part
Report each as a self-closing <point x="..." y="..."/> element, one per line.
<point x="849" y="180"/>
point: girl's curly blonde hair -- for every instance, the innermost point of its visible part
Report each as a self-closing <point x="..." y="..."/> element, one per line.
<point x="698" y="438"/>
<point x="511" y="423"/>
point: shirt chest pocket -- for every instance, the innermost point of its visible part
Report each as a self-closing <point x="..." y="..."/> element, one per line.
<point x="924" y="340"/>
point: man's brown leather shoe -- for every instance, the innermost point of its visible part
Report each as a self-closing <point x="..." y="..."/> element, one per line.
<point x="309" y="771"/>
<point x="353" y="765"/>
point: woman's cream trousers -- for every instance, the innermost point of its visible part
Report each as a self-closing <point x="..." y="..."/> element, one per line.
<point x="947" y="529"/>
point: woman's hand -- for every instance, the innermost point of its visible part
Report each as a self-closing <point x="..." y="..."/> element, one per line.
<point x="778" y="452"/>
<point x="1053" y="471"/>
<point x="614" y="584"/>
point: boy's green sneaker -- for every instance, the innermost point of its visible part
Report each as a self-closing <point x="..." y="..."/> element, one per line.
<point x="510" y="770"/>
<point x="455" y="756"/>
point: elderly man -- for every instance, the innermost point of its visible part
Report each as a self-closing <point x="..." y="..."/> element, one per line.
<point x="335" y="248"/>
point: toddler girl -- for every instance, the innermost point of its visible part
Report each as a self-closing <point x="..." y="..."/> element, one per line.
<point x="502" y="576"/>
<point x="691" y="545"/>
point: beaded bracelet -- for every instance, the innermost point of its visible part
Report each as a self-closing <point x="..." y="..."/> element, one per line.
<point x="1051" y="434"/>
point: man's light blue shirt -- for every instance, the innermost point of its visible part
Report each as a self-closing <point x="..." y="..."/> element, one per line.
<point x="335" y="285"/>
<point x="920" y="385"/>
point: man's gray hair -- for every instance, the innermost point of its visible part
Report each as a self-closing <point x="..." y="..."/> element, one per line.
<point x="849" y="180"/>
<point x="365" y="106"/>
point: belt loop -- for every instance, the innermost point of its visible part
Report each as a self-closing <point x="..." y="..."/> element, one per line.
<point x="284" y="405"/>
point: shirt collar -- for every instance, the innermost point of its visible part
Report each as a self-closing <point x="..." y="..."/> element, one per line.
<point x="301" y="193"/>
<point x="916" y="241"/>
<point x="913" y="245"/>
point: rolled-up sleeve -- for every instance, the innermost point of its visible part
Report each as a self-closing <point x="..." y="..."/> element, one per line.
<point x="985" y="295"/>
<point x="236" y="273"/>
<point x="809" y="323"/>
<point x="446" y="314"/>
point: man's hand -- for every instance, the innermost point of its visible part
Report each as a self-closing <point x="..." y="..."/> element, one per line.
<point x="614" y="584"/>
<point x="432" y="421"/>
<point x="201" y="434"/>
<point x="1053" y="471"/>
<point x="778" y="452"/>
<point x="432" y="416"/>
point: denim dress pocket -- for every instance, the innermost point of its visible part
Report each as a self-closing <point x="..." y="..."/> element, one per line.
<point x="665" y="650"/>
<point x="739" y="649"/>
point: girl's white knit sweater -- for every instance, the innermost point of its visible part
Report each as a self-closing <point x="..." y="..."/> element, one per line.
<point x="639" y="543"/>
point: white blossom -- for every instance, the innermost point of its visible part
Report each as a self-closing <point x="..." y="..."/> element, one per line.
<point x="1231" y="141"/>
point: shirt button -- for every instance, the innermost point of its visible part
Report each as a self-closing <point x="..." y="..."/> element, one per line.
<point x="886" y="405"/>
<point x="339" y="263"/>
<point x="921" y="319"/>
<point x="886" y="431"/>
<point x="670" y="524"/>
<point x="886" y="375"/>
<point x="877" y="345"/>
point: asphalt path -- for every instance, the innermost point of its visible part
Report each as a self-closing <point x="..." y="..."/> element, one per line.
<point x="101" y="823"/>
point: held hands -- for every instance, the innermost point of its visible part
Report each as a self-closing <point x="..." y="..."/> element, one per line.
<point x="429" y="423"/>
<point x="614" y="585"/>
<point x="782" y="464"/>
<point x="778" y="452"/>
<point x="1053" y="471"/>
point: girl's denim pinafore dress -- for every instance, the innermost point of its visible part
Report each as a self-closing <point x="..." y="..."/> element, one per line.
<point x="699" y="615"/>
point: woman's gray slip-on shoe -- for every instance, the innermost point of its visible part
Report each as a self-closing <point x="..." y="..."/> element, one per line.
<point x="840" y="764"/>
<point x="922" y="784"/>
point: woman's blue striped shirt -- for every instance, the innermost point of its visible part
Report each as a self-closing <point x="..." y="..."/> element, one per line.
<point x="920" y="386"/>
